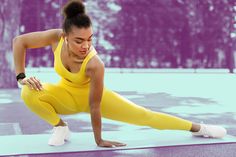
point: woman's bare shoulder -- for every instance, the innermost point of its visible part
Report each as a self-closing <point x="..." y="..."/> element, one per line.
<point x="57" y="39"/>
<point x="94" y="64"/>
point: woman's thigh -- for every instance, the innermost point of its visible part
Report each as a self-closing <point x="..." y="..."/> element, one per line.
<point x="58" y="97"/>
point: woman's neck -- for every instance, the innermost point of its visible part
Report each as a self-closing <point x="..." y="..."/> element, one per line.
<point x="73" y="57"/>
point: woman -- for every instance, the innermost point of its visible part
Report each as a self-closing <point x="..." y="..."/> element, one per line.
<point x="81" y="88"/>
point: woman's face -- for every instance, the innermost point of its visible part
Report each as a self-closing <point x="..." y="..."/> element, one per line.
<point x="79" y="40"/>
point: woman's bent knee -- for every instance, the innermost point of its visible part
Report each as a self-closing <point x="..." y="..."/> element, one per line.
<point x="27" y="93"/>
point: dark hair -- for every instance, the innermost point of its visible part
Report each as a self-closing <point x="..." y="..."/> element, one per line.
<point x="74" y="15"/>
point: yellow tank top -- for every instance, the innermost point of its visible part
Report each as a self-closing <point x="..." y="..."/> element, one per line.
<point x="78" y="79"/>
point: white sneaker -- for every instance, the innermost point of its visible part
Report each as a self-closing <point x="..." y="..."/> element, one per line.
<point x="211" y="131"/>
<point x="60" y="134"/>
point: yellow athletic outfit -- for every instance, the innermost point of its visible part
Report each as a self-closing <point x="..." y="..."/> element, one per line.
<point x="70" y="95"/>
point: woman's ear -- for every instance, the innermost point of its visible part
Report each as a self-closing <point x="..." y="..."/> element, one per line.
<point x="65" y="37"/>
<point x="66" y="40"/>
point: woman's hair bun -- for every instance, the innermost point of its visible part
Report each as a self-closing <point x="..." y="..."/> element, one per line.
<point x="73" y="8"/>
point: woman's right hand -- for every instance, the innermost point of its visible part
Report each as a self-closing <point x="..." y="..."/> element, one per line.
<point x="105" y="143"/>
<point x="32" y="82"/>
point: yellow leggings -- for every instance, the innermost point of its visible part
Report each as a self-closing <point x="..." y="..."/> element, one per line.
<point x="63" y="99"/>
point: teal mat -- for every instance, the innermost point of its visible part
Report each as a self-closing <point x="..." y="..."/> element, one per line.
<point x="84" y="141"/>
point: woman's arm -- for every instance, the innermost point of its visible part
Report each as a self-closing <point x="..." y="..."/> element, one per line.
<point x="32" y="40"/>
<point x="96" y="73"/>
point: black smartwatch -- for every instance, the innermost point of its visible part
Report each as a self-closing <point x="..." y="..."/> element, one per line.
<point x="20" y="76"/>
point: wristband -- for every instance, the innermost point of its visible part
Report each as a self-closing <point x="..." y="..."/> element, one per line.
<point x="20" y="76"/>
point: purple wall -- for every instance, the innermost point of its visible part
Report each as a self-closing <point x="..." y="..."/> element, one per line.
<point x="9" y="26"/>
<point x="134" y="33"/>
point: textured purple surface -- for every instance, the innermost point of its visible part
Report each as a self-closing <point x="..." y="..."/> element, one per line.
<point x="132" y="33"/>
<point x="188" y="151"/>
<point x="163" y="33"/>
<point x="147" y="34"/>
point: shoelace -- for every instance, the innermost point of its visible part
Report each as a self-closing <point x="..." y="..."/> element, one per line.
<point x="55" y="130"/>
<point x="206" y="132"/>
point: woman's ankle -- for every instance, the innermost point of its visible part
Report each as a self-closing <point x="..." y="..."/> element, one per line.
<point x="195" y="127"/>
<point x="61" y="123"/>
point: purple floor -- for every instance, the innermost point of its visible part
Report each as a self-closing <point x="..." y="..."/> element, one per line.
<point x="220" y="150"/>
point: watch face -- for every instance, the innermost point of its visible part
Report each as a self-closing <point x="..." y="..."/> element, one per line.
<point x="20" y="76"/>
